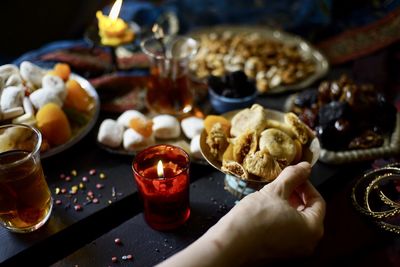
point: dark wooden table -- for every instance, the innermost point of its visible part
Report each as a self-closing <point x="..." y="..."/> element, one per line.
<point x="86" y="237"/>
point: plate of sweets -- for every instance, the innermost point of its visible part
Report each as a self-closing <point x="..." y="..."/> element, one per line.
<point x="353" y="121"/>
<point x="277" y="61"/>
<point x="62" y="105"/>
<point x="253" y="145"/>
<point x="133" y="131"/>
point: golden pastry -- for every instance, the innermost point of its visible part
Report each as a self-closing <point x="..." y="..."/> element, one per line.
<point x="217" y="140"/>
<point x="234" y="168"/>
<point x="263" y="165"/>
<point x="279" y="145"/>
<point x="254" y="119"/>
<point x="244" y="144"/>
<point x="299" y="128"/>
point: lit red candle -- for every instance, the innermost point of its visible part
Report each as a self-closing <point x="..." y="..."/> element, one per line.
<point x="162" y="175"/>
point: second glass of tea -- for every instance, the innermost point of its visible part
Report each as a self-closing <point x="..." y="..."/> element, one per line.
<point x="25" y="198"/>
<point x="169" y="90"/>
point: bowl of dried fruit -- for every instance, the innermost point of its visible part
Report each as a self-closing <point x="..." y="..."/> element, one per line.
<point x="253" y="145"/>
<point x="231" y="91"/>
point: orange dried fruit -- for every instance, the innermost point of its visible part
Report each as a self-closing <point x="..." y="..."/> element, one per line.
<point x="144" y="127"/>
<point x="53" y="124"/>
<point x="210" y="120"/>
<point x="62" y="70"/>
<point x="77" y="97"/>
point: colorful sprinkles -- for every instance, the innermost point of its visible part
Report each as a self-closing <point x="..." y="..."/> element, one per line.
<point x="81" y="192"/>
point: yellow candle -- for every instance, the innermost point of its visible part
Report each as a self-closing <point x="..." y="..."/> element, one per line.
<point x="113" y="30"/>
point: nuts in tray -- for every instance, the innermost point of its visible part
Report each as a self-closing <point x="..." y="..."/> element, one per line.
<point x="270" y="62"/>
<point x="346" y="115"/>
<point x="255" y="146"/>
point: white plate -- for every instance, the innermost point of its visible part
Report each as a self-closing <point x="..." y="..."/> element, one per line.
<point x="85" y="129"/>
<point x="306" y="50"/>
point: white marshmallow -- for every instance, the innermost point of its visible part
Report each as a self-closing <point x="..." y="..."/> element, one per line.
<point x="32" y="73"/>
<point x="42" y="96"/>
<point x="11" y="97"/>
<point x="192" y="126"/>
<point x="166" y="127"/>
<point x="134" y="141"/>
<point x="56" y="84"/>
<point x="110" y="133"/>
<point x="128" y="115"/>
<point x="195" y="147"/>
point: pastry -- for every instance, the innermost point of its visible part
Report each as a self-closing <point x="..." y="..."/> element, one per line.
<point x="254" y="118"/>
<point x="11" y="97"/>
<point x="299" y="128"/>
<point x="263" y="165"/>
<point x="56" y="84"/>
<point x="42" y="96"/>
<point x="279" y="145"/>
<point x="244" y="144"/>
<point x="110" y="133"/>
<point x="32" y="74"/>
<point x="217" y="140"/>
<point x="234" y="168"/>
<point x="166" y="127"/>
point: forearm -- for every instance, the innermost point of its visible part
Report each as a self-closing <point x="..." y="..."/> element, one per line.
<point x="214" y="248"/>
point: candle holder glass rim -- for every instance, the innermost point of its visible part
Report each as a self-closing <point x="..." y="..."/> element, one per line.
<point x="33" y="151"/>
<point x="169" y="42"/>
<point x="183" y="169"/>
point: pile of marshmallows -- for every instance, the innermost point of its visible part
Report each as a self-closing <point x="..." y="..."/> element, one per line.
<point x="16" y="82"/>
<point x="113" y="133"/>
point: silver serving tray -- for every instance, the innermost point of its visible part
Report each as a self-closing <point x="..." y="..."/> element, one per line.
<point x="306" y="50"/>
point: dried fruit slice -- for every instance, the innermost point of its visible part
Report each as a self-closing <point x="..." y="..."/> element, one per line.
<point x="263" y="165"/>
<point x="254" y="119"/>
<point x="299" y="128"/>
<point x="244" y="144"/>
<point x="279" y="144"/>
<point x="210" y="120"/>
<point x="234" y="168"/>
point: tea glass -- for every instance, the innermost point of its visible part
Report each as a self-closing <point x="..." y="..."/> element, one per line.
<point x="25" y="198"/>
<point x="169" y="90"/>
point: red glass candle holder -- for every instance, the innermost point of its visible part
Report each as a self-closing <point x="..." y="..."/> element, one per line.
<point x="165" y="195"/>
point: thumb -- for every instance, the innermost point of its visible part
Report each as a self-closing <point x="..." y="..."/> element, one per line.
<point x="290" y="178"/>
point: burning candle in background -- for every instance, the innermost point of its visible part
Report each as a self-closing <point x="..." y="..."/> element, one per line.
<point x="162" y="176"/>
<point x="113" y="30"/>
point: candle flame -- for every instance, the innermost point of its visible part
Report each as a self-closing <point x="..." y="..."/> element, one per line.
<point x="115" y="9"/>
<point x="160" y="169"/>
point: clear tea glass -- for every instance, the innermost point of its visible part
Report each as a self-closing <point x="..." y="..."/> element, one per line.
<point x="25" y="198"/>
<point x="165" y="193"/>
<point x="169" y="90"/>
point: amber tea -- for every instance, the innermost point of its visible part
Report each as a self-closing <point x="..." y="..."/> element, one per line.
<point x="170" y="95"/>
<point x="25" y="198"/>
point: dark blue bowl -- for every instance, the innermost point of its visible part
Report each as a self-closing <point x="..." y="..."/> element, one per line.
<point x="222" y="104"/>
